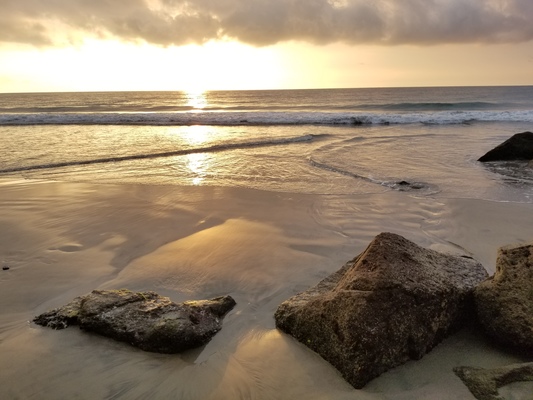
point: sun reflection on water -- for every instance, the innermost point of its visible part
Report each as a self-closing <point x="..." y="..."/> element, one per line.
<point x="198" y="164"/>
<point x="197" y="135"/>
<point x="196" y="99"/>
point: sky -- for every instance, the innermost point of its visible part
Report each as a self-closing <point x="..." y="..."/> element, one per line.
<point x="196" y="45"/>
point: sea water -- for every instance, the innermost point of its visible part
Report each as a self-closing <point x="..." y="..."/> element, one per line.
<point x="336" y="141"/>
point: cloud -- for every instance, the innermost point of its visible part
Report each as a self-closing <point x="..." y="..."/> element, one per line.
<point x="265" y="22"/>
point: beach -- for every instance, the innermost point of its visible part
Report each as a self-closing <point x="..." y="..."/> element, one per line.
<point x="258" y="195"/>
<point x="63" y="239"/>
<point x="319" y="165"/>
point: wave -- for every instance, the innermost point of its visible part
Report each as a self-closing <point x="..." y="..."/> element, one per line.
<point x="181" y="152"/>
<point x="141" y="108"/>
<point x="514" y="172"/>
<point x="437" y="106"/>
<point x="264" y="118"/>
<point x="399" y="185"/>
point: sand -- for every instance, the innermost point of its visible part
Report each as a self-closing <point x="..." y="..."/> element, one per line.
<point x="61" y="240"/>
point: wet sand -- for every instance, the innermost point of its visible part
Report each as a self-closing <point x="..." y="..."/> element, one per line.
<point x="61" y="240"/>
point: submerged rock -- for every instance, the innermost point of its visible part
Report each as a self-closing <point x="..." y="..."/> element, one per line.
<point x="517" y="147"/>
<point x="504" y="302"/>
<point x="393" y="302"/>
<point x="484" y="383"/>
<point x="144" y="319"/>
<point x="405" y="186"/>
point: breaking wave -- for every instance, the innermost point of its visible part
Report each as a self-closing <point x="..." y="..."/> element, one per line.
<point x="180" y="152"/>
<point x="399" y="185"/>
<point x="256" y="118"/>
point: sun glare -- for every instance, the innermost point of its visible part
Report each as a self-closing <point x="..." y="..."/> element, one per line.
<point x="196" y="135"/>
<point x="198" y="164"/>
<point x="196" y="99"/>
<point x="98" y="65"/>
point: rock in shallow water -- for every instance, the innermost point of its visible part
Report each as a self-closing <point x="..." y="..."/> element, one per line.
<point x="393" y="302"/>
<point x="504" y="302"/>
<point x="517" y="147"/>
<point x="144" y="319"/>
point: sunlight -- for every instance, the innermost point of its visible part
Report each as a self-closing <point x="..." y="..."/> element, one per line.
<point x="226" y="65"/>
<point x="198" y="165"/>
<point x="111" y="65"/>
<point x="92" y="64"/>
<point x="196" y="99"/>
<point x="196" y="134"/>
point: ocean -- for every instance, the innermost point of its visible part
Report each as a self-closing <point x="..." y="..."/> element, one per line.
<point x="324" y="141"/>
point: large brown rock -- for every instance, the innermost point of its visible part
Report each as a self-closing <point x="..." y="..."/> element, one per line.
<point x="517" y="147"/>
<point x="504" y="302"/>
<point x="144" y="319"/>
<point x="393" y="302"/>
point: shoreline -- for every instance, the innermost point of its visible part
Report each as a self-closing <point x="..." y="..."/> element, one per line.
<point x="63" y="239"/>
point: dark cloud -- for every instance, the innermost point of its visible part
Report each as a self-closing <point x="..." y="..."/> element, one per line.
<point x="264" y="22"/>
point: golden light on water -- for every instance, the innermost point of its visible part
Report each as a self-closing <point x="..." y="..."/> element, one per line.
<point x="198" y="164"/>
<point x="198" y="136"/>
<point x="196" y="99"/>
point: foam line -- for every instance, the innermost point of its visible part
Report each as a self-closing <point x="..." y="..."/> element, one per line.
<point x="254" y="118"/>
<point x="207" y="149"/>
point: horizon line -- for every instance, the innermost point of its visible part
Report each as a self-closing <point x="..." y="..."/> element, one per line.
<point x="266" y="90"/>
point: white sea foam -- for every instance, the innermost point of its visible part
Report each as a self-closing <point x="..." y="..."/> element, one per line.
<point x="265" y="118"/>
<point x="178" y="152"/>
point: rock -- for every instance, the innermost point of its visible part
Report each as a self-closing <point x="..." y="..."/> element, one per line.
<point x="518" y="147"/>
<point x="62" y="317"/>
<point x="504" y="302"/>
<point x="144" y="319"/>
<point x="405" y="186"/>
<point x="393" y="302"/>
<point x="484" y="383"/>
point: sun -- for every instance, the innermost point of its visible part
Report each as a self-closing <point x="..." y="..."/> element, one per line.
<point x="226" y="66"/>
<point x="112" y="65"/>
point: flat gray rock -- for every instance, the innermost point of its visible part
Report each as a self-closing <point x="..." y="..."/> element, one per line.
<point x="143" y="319"/>
<point x="392" y="303"/>
<point x="504" y="302"/>
<point x="484" y="383"/>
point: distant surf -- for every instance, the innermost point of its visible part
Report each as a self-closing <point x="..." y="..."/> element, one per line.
<point x="327" y="107"/>
<point x="264" y="118"/>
